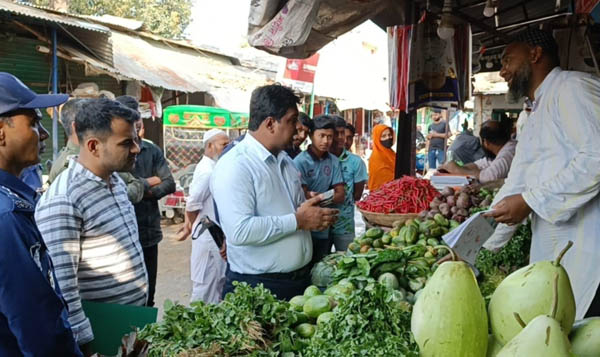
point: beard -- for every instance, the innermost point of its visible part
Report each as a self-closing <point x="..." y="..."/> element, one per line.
<point x="519" y="86"/>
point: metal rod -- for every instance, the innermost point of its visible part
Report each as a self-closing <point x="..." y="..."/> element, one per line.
<point x="591" y="49"/>
<point x="55" y="91"/>
<point x="312" y="101"/>
<point x="529" y="22"/>
<point x="81" y="43"/>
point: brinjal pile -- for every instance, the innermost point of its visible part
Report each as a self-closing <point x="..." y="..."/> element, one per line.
<point x="458" y="205"/>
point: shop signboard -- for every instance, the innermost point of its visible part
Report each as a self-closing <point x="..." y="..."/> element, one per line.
<point x="300" y="73"/>
<point x="203" y="117"/>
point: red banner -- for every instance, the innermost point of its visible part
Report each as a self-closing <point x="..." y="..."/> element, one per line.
<point x="585" y="6"/>
<point x="302" y="70"/>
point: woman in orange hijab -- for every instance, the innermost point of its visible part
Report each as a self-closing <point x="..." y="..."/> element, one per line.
<point x="382" y="164"/>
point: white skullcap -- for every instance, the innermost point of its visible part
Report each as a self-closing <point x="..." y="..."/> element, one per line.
<point x="211" y="134"/>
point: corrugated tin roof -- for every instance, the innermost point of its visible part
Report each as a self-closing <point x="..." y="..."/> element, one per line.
<point x="49" y="15"/>
<point x="118" y="22"/>
<point x="183" y="69"/>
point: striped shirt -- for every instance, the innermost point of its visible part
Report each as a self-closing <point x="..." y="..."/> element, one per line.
<point x="92" y="236"/>
<point x="498" y="168"/>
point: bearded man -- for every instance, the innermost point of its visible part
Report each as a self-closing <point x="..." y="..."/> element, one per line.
<point x="555" y="174"/>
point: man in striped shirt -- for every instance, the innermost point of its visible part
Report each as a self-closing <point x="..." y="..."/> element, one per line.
<point x="499" y="151"/>
<point x="87" y="221"/>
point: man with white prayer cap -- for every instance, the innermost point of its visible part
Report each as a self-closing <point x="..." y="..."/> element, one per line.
<point x="208" y="262"/>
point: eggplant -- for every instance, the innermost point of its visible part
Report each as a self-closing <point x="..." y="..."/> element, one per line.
<point x="451" y="201"/>
<point x="485" y="203"/>
<point x="462" y="212"/>
<point x="463" y="201"/>
<point x="448" y="191"/>
<point x="444" y="209"/>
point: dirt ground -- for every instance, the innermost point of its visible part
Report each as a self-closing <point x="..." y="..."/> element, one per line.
<point x="173" y="280"/>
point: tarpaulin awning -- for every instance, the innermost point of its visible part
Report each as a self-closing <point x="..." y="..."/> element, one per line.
<point x="299" y="28"/>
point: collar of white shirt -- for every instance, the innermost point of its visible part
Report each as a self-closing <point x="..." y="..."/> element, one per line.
<point x="260" y="150"/>
<point x="546" y="83"/>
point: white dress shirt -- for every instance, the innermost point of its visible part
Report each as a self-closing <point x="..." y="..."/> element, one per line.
<point x="257" y="195"/>
<point x="557" y="170"/>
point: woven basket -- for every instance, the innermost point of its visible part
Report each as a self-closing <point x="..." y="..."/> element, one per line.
<point x="387" y="220"/>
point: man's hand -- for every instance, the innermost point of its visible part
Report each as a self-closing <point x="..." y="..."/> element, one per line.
<point x="312" y="194"/>
<point x="511" y="210"/>
<point x="223" y="251"/>
<point x="153" y="181"/>
<point x="184" y="232"/>
<point x="450" y="167"/>
<point x="311" y="217"/>
<point x="429" y="136"/>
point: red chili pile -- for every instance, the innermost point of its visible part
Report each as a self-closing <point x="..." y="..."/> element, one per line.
<point x="405" y="195"/>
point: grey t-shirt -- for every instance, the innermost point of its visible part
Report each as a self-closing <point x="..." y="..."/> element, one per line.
<point x="437" y="143"/>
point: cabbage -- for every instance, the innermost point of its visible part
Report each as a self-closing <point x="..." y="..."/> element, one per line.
<point x="322" y="273"/>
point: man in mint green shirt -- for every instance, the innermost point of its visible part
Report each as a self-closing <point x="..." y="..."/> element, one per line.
<point x="354" y="173"/>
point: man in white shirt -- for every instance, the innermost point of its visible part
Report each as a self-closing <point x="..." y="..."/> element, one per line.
<point x="555" y="174"/>
<point x="207" y="263"/>
<point x="499" y="151"/>
<point x="261" y="204"/>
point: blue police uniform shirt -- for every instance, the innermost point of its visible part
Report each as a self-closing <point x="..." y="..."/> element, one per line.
<point x="33" y="314"/>
<point x="319" y="175"/>
<point x="32" y="176"/>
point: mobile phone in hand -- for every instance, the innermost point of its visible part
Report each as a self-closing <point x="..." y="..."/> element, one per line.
<point x="327" y="199"/>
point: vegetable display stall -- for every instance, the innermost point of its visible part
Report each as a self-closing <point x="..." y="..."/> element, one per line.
<point x="392" y="297"/>
<point x="184" y="127"/>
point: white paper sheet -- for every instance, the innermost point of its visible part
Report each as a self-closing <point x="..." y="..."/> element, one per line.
<point x="468" y="238"/>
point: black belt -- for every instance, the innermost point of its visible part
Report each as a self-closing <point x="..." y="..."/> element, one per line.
<point x="299" y="274"/>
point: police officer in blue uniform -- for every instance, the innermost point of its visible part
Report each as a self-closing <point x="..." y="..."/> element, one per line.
<point x="33" y="314"/>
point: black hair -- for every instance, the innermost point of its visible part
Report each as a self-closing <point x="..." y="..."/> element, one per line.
<point x="351" y="128"/>
<point x="339" y="122"/>
<point x="322" y="122"/>
<point x="497" y="132"/>
<point x="96" y="116"/>
<point x="128" y="101"/>
<point x="68" y="113"/>
<point x="270" y="101"/>
<point x="304" y="119"/>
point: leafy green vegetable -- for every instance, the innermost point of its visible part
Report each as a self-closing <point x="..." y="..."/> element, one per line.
<point x="372" y="321"/>
<point x="514" y="255"/>
<point x="496" y="266"/>
<point x="249" y="322"/>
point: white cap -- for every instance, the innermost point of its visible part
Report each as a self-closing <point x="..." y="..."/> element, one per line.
<point x="211" y="134"/>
